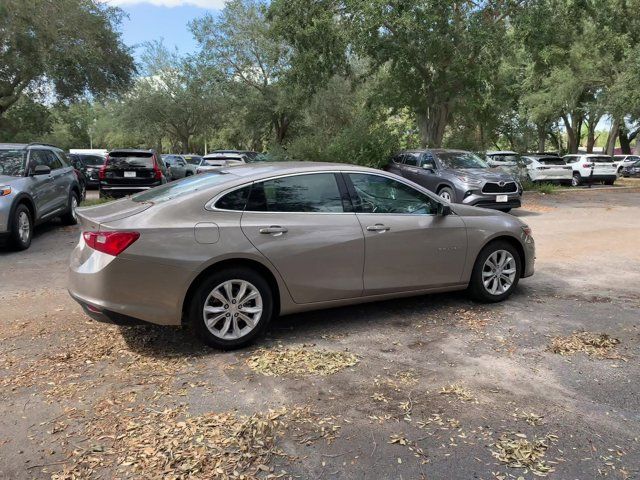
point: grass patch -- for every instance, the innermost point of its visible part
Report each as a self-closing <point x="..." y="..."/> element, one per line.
<point x="96" y="201"/>
<point x="544" y="187"/>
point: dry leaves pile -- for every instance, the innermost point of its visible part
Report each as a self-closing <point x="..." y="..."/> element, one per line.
<point x="598" y="345"/>
<point x="299" y="361"/>
<point x="476" y="320"/>
<point x="521" y="453"/>
<point x="173" y="445"/>
<point x="458" y="391"/>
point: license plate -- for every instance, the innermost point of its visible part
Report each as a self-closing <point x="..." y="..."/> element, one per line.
<point x="502" y="198"/>
<point x="129" y="174"/>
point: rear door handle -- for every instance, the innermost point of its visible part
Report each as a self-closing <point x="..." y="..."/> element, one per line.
<point x="273" y="229"/>
<point x="378" y="227"/>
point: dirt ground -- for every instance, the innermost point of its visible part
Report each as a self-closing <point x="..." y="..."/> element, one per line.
<point x="431" y="387"/>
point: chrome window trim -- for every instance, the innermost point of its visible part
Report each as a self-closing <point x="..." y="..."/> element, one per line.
<point x="210" y="205"/>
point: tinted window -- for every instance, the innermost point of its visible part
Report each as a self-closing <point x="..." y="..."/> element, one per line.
<point x="377" y="194"/>
<point x="12" y="163"/>
<point x="461" y="160"/>
<point x="602" y="159"/>
<point x="235" y="200"/>
<point x="193" y="160"/>
<point x="181" y="187"/>
<point x="43" y="157"/>
<point x="60" y="158"/>
<point x="130" y="159"/>
<point x="301" y="193"/>
<point x="91" y="160"/>
<point x="410" y="160"/>
<point x="551" y="161"/>
<point x="506" y="157"/>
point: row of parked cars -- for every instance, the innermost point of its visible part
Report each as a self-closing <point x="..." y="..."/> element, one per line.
<point x="573" y="169"/>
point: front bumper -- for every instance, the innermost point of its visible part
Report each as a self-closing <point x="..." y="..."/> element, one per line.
<point x="484" y="200"/>
<point x="529" y="258"/>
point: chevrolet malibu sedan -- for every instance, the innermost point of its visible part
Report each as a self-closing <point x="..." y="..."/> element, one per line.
<point x="227" y="251"/>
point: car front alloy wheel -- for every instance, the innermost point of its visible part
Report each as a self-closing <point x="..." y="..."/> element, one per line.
<point x="496" y="272"/>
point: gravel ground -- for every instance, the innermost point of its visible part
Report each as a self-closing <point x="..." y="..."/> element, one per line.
<point x="436" y="383"/>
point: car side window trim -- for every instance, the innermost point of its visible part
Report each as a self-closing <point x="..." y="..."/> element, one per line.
<point x="342" y="185"/>
<point x="355" y="198"/>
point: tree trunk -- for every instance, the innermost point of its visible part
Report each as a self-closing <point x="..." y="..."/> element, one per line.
<point x="625" y="144"/>
<point x="431" y="124"/>
<point x="573" y="128"/>
<point x="592" y="122"/>
<point x="281" y="125"/>
<point x="542" y="137"/>
<point x="613" y="136"/>
<point x="185" y="144"/>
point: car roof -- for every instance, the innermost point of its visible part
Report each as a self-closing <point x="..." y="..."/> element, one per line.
<point x="255" y="171"/>
<point x="130" y="150"/>
<point x="501" y="152"/>
<point x="6" y="146"/>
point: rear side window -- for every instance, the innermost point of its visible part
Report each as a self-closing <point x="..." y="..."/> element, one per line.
<point x="410" y="160"/>
<point x="131" y="159"/>
<point x="12" y="163"/>
<point x="300" y="193"/>
<point x="235" y="200"/>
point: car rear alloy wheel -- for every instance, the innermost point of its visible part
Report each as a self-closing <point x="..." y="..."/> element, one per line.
<point x="496" y="272"/>
<point x="71" y="217"/>
<point x="576" y="181"/>
<point x="499" y="272"/>
<point x="232" y="309"/>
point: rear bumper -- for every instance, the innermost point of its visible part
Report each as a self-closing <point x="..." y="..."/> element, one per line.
<point x="123" y="190"/>
<point x="106" y="316"/>
<point x="600" y="178"/>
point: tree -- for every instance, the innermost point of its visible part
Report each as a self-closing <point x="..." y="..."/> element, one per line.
<point x="71" y="47"/>
<point x="238" y="43"/>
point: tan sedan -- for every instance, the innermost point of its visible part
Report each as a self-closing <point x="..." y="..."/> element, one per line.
<point x="228" y="251"/>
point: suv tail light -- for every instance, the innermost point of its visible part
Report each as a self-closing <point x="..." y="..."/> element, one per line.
<point x="157" y="172"/>
<point x="586" y="165"/>
<point x="103" y="169"/>
<point x="111" y="243"/>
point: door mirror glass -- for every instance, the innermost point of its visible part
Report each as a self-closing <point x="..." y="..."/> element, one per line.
<point x="41" y="170"/>
<point x="429" y="166"/>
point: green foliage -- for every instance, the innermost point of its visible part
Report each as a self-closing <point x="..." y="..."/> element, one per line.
<point x="68" y="47"/>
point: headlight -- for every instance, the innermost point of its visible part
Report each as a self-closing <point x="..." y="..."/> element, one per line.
<point x="5" y="190"/>
<point x="469" y="180"/>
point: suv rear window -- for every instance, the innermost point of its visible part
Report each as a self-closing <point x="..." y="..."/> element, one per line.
<point x="131" y="159"/>
<point x="12" y="163"/>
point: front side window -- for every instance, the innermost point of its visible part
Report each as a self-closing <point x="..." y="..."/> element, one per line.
<point x="316" y="192"/>
<point x="461" y="160"/>
<point x="378" y="194"/>
<point x="40" y="157"/>
<point x="12" y="162"/>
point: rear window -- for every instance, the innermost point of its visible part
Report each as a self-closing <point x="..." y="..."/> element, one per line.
<point x="551" y="161"/>
<point x="12" y="163"/>
<point x="131" y="159"/>
<point x="91" y="160"/>
<point x="193" y="160"/>
<point x="179" y="188"/>
<point x="219" y="161"/>
<point x="505" y="157"/>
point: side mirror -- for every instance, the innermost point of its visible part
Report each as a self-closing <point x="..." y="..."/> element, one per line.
<point x="41" y="170"/>
<point x="443" y="210"/>
<point x="429" y="166"/>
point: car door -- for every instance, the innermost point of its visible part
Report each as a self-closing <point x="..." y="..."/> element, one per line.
<point x="410" y="167"/>
<point x="407" y="245"/>
<point x="41" y="187"/>
<point x="62" y="179"/>
<point x="426" y="176"/>
<point x="178" y="168"/>
<point x="395" y="165"/>
<point x="303" y="224"/>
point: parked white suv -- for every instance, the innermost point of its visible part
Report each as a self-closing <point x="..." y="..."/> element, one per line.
<point x="591" y="168"/>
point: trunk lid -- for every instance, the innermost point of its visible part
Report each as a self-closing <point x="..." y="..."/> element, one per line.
<point x="92" y="218"/>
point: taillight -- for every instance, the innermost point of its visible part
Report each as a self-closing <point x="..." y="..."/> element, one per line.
<point x="111" y="243"/>
<point x="586" y="165"/>
<point x="103" y="169"/>
<point x="157" y="172"/>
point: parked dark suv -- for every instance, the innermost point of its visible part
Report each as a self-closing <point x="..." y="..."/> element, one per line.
<point x="36" y="184"/>
<point x="128" y="171"/>
<point x="89" y="164"/>
<point x="459" y="177"/>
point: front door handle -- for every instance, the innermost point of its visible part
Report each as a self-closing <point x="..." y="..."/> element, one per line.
<point x="378" y="227"/>
<point x="273" y="229"/>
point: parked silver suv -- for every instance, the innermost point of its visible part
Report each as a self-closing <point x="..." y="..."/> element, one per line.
<point x="36" y="184"/>
<point x="459" y="177"/>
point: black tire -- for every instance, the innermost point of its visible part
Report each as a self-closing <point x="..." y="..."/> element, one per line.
<point x="18" y="241"/>
<point x="505" y="210"/>
<point x="70" y="218"/>
<point x="476" y="285"/>
<point x="577" y="180"/>
<point x="195" y="311"/>
<point x="609" y="182"/>
<point x="447" y="191"/>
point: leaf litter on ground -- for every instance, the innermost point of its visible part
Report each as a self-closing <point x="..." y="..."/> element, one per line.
<point x="516" y="451"/>
<point x="298" y="361"/>
<point x="598" y="345"/>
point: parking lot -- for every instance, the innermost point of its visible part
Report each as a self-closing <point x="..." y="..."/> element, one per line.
<point x="429" y="387"/>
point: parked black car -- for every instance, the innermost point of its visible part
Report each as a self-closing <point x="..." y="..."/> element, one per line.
<point x="459" y="177"/>
<point x="89" y="165"/>
<point x="127" y="171"/>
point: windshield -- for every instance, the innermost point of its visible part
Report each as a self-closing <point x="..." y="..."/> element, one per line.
<point x="12" y="162"/>
<point x="91" y="160"/>
<point x="170" y="159"/>
<point x="506" y="157"/>
<point x="193" y="160"/>
<point x="181" y="187"/>
<point x="129" y="159"/>
<point x="461" y="160"/>
<point x="219" y="161"/>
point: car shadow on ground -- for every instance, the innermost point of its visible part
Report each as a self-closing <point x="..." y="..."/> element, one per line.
<point x="41" y="232"/>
